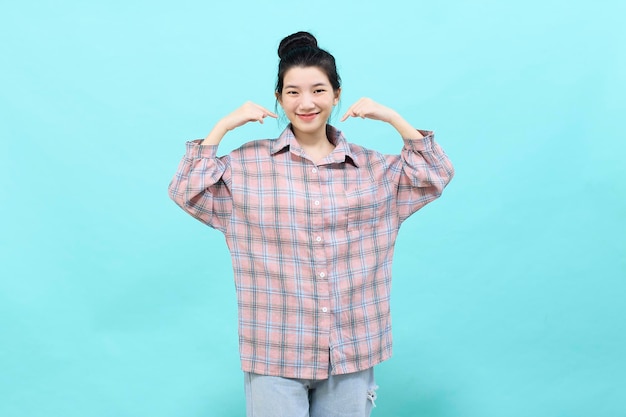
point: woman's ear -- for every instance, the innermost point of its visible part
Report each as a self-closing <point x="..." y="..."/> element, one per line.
<point x="337" y="96"/>
<point x="277" y="94"/>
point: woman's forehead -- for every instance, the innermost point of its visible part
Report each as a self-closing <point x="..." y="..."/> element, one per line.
<point x="305" y="76"/>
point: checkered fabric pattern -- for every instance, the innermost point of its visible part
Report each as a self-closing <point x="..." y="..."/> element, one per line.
<point x="311" y="244"/>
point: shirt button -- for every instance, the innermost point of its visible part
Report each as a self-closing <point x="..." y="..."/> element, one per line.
<point x="317" y="203"/>
<point x="322" y="274"/>
<point x="324" y="309"/>
<point x="319" y="238"/>
<point x="314" y="170"/>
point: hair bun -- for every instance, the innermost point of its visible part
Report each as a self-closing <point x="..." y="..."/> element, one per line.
<point x="296" y="41"/>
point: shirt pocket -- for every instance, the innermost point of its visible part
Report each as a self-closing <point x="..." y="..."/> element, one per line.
<point x="364" y="205"/>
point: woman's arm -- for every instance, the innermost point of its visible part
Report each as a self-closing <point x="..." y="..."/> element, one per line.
<point x="249" y="112"/>
<point x="422" y="170"/>
<point x="201" y="185"/>
<point x="366" y="108"/>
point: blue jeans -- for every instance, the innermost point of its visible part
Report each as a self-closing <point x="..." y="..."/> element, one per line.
<point x="349" y="395"/>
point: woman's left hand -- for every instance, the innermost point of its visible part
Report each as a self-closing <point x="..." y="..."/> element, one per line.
<point x="366" y="108"/>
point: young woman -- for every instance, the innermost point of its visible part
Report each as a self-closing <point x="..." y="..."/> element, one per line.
<point x="310" y="221"/>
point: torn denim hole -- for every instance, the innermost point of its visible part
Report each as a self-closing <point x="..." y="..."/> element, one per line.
<point x="371" y="395"/>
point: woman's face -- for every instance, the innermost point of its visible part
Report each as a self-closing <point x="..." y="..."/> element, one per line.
<point x="307" y="99"/>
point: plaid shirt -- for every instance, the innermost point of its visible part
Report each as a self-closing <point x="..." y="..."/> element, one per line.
<point x="311" y="244"/>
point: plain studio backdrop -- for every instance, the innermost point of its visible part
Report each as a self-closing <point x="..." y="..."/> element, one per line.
<point x="508" y="296"/>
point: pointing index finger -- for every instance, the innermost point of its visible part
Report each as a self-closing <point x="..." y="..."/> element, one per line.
<point x="266" y="112"/>
<point x="349" y="113"/>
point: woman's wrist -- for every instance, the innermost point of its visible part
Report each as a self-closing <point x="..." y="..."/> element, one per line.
<point x="216" y="135"/>
<point x="406" y="130"/>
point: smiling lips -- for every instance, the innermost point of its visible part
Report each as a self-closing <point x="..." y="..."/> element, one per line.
<point x="307" y="117"/>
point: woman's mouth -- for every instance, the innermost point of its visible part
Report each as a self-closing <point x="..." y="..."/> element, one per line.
<point x="307" y="117"/>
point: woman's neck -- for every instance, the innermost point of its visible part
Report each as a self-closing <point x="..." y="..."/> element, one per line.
<point x="317" y="145"/>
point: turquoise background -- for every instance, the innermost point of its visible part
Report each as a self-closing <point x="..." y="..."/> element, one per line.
<point x="509" y="291"/>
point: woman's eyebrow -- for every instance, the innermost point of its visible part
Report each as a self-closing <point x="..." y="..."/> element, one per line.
<point x="314" y="85"/>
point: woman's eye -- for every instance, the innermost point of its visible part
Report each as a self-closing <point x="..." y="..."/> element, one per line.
<point x="319" y="91"/>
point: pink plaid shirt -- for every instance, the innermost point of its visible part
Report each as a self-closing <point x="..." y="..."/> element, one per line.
<point x="311" y="244"/>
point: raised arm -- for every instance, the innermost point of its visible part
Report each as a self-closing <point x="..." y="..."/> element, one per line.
<point x="422" y="170"/>
<point x="249" y="112"/>
<point x="366" y="108"/>
<point x="201" y="185"/>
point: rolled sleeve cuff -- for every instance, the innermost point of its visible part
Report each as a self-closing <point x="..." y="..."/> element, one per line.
<point x="196" y="150"/>
<point x="421" y="144"/>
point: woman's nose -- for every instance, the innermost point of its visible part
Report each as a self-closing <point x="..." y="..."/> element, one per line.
<point x="306" y="101"/>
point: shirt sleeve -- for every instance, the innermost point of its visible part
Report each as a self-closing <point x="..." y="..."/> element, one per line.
<point x="425" y="171"/>
<point x="201" y="186"/>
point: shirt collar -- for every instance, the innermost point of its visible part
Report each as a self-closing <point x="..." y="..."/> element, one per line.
<point x="341" y="153"/>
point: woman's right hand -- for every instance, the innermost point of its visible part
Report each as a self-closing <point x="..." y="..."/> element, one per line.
<point x="249" y="112"/>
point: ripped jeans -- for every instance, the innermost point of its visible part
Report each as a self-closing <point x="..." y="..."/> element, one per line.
<point x="348" y="395"/>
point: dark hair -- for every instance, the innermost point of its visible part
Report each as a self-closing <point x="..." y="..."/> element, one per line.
<point x="300" y="50"/>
